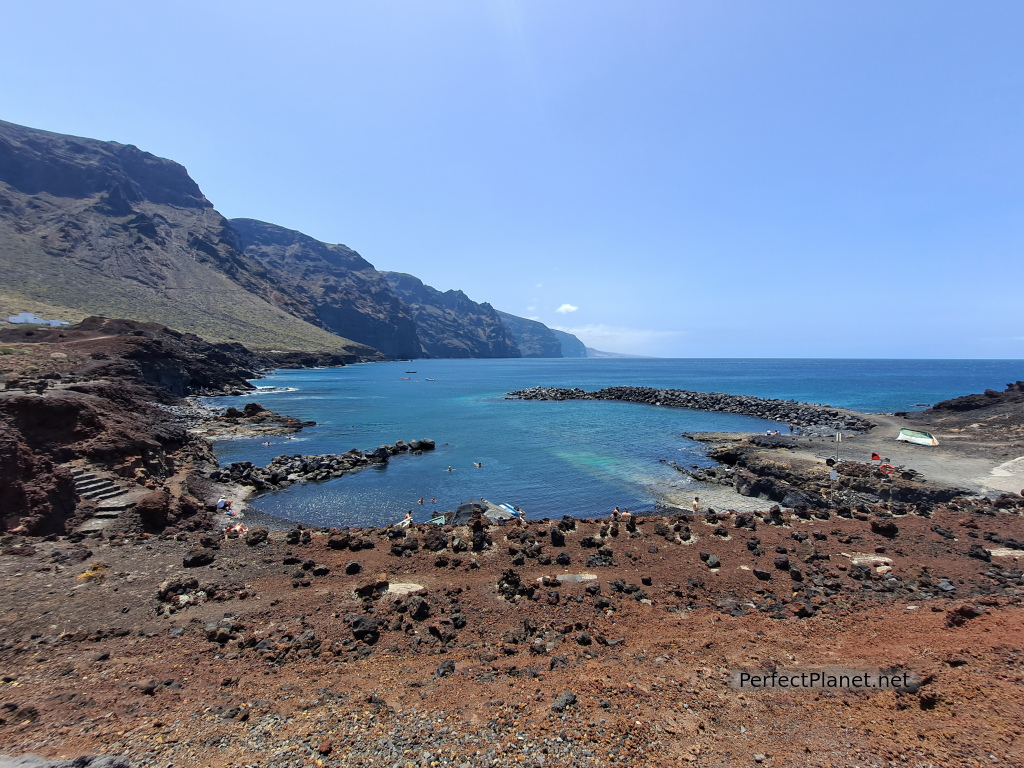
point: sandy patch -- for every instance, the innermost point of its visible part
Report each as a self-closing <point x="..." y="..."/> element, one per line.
<point x="397" y="590"/>
<point x="1004" y="552"/>
<point x="1007" y="477"/>
<point x="863" y="558"/>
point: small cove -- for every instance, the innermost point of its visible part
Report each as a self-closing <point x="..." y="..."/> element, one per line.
<point x="579" y="458"/>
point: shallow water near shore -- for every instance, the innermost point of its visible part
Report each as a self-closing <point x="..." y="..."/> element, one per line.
<point x="580" y="458"/>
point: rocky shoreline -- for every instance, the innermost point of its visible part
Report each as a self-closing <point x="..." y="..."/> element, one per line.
<point x="287" y="470"/>
<point x="810" y="418"/>
<point x="756" y="467"/>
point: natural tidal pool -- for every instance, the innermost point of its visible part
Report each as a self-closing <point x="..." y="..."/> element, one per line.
<point x="580" y="458"/>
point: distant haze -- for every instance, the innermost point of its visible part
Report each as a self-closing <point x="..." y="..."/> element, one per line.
<point x="666" y="178"/>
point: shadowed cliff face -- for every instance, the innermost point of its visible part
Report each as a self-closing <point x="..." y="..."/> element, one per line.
<point x="533" y="338"/>
<point x="571" y="346"/>
<point x="343" y="292"/>
<point x="450" y="324"/>
<point x="93" y="227"/>
<point x="37" y="162"/>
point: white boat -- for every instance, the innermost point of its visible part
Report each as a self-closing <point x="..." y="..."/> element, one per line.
<point x="918" y="438"/>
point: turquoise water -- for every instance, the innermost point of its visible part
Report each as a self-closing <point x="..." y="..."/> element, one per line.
<point x="577" y="457"/>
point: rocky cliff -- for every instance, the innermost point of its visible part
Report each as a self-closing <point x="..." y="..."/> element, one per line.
<point x="533" y="338"/>
<point x="96" y="227"/>
<point x="100" y="395"/>
<point x="571" y="346"/>
<point x="450" y="324"/>
<point x="339" y="290"/>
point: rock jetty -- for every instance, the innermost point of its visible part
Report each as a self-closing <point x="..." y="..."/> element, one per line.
<point x="287" y="470"/>
<point x="811" y="418"/>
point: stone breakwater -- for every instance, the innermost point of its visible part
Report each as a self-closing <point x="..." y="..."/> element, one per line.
<point x="287" y="470"/>
<point x="812" y="419"/>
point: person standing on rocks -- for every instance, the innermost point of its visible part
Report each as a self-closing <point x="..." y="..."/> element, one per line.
<point x="696" y="505"/>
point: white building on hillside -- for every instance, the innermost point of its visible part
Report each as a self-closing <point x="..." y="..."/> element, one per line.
<point x="28" y="317"/>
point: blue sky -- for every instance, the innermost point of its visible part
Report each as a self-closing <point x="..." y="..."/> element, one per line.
<point x="687" y="179"/>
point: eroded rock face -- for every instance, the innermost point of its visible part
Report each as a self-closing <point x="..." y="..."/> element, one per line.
<point x="450" y="324"/>
<point x="35" y="494"/>
<point x="533" y="338"/>
<point x="344" y="294"/>
<point x="101" y="410"/>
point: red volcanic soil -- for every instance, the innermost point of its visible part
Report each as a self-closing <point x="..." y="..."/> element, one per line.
<point x="269" y="656"/>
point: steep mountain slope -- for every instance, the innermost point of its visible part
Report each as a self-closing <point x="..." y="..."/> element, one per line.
<point x="95" y="227"/>
<point x="533" y="338"/>
<point x="571" y="346"/>
<point x="342" y="291"/>
<point x="450" y="324"/>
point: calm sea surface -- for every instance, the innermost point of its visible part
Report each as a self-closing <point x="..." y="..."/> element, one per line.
<point x="550" y="459"/>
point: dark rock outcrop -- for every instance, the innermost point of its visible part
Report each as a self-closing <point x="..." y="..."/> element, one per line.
<point x="1014" y="393"/>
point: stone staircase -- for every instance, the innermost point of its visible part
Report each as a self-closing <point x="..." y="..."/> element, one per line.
<point x="90" y="486"/>
<point x="111" y="499"/>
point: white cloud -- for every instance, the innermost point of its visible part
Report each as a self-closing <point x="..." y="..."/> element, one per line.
<point x="531" y="309"/>
<point x="565" y="309"/>
<point x="539" y="285"/>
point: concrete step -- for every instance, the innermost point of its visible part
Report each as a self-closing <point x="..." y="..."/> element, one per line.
<point x="107" y="514"/>
<point x="104" y="493"/>
<point x="91" y="485"/>
<point x="115" y="505"/>
<point x="95" y="524"/>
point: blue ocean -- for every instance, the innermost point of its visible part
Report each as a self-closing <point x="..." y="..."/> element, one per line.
<point x="578" y="458"/>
